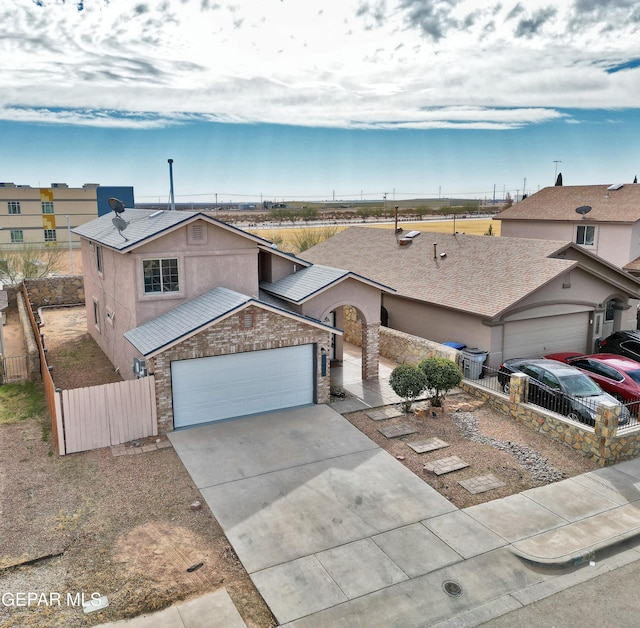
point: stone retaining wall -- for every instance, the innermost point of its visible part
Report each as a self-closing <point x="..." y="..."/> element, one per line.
<point x="57" y="290"/>
<point x="603" y="442"/>
<point x="408" y="349"/>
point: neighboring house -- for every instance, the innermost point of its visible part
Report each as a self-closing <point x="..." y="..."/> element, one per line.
<point x="41" y="216"/>
<point x="610" y="228"/>
<point x="228" y="324"/>
<point x="512" y="297"/>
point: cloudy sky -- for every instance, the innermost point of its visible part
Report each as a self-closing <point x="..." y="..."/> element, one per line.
<point x="306" y="98"/>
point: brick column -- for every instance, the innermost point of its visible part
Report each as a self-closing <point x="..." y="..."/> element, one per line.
<point x="606" y="428"/>
<point x="370" y="350"/>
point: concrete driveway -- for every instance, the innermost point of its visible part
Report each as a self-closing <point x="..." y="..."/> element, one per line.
<point x="320" y="515"/>
<point x="335" y="531"/>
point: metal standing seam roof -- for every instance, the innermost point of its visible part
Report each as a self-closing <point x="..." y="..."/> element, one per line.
<point x="194" y="315"/>
<point x="481" y="275"/>
<point x="559" y="203"/>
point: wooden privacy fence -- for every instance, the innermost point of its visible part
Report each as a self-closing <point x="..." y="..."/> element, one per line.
<point x="110" y="414"/>
<point x="96" y="416"/>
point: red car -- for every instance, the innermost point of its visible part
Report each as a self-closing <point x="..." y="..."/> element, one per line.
<point x="617" y="375"/>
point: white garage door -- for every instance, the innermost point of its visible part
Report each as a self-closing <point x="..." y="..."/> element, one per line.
<point x="549" y="334"/>
<point x="226" y="386"/>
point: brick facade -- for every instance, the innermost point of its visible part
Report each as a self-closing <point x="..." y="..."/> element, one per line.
<point x="270" y="331"/>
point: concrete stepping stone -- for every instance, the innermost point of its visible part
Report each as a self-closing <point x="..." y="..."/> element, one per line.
<point x="395" y="431"/>
<point x="446" y="465"/>
<point x="481" y="483"/>
<point x="431" y="444"/>
<point x="384" y="413"/>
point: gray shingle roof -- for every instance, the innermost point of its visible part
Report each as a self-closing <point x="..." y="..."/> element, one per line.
<point x="197" y="314"/>
<point x="303" y="284"/>
<point x="145" y="224"/>
<point x="480" y="274"/>
<point x="560" y="203"/>
<point x="184" y="319"/>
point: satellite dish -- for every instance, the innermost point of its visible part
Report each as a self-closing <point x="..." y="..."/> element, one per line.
<point x="583" y="210"/>
<point x="116" y="205"/>
<point x="120" y="224"/>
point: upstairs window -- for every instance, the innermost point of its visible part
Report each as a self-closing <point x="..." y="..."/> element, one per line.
<point x="586" y="235"/>
<point x="50" y="235"/>
<point x="99" y="258"/>
<point x="160" y="275"/>
<point x="17" y="236"/>
<point x="47" y="207"/>
<point x="14" y="207"/>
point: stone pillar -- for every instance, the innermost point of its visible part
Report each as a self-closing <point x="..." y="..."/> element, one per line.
<point x="519" y="388"/>
<point x="370" y="350"/>
<point x="606" y="428"/>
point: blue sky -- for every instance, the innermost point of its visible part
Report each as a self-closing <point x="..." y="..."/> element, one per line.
<point x="280" y="99"/>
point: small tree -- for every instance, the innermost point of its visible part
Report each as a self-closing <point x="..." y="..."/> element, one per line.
<point x="408" y="382"/>
<point x="28" y="261"/>
<point x="441" y="375"/>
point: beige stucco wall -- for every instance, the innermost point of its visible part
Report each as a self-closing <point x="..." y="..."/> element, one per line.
<point x="616" y="243"/>
<point x="436" y="323"/>
<point x="349" y="292"/>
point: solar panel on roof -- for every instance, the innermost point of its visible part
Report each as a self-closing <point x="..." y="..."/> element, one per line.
<point x="412" y="234"/>
<point x="615" y="186"/>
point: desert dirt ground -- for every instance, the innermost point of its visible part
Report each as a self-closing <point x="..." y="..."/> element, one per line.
<point x="121" y="526"/>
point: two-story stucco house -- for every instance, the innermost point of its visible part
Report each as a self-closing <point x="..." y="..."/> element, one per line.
<point x="228" y="324"/>
<point x="601" y="219"/>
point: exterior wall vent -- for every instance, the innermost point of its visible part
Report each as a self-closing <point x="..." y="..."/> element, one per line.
<point x="197" y="233"/>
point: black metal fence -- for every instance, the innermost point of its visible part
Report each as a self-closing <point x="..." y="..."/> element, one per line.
<point x="580" y="409"/>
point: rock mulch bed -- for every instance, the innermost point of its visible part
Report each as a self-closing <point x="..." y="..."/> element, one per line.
<point x="492" y="443"/>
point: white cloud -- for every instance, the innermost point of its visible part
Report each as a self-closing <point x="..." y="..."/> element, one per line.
<point x="353" y="63"/>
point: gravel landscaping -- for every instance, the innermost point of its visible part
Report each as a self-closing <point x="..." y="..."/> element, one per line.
<point x="489" y="441"/>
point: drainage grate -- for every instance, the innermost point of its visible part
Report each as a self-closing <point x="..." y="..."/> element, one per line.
<point x="452" y="588"/>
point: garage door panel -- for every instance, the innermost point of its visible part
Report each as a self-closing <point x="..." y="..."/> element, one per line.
<point x="221" y="387"/>
<point x="538" y="336"/>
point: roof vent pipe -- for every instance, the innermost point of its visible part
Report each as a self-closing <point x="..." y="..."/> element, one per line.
<point x="435" y="253"/>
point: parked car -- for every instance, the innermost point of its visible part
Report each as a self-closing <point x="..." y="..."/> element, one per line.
<point x="615" y="374"/>
<point x="560" y="388"/>
<point x="625" y="342"/>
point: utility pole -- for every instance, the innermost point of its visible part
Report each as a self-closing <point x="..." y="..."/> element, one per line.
<point x="173" y="199"/>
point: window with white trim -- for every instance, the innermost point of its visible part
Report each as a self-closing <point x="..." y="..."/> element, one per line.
<point x="50" y="235"/>
<point x="160" y="275"/>
<point x="47" y="207"/>
<point x="14" y="207"/>
<point x="586" y="235"/>
<point x="17" y="236"/>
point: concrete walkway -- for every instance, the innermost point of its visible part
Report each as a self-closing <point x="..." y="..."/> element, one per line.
<point x="335" y="531"/>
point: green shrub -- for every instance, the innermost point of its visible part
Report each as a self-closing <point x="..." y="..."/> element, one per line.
<point x="441" y="375"/>
<point x="407" y="382"/>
